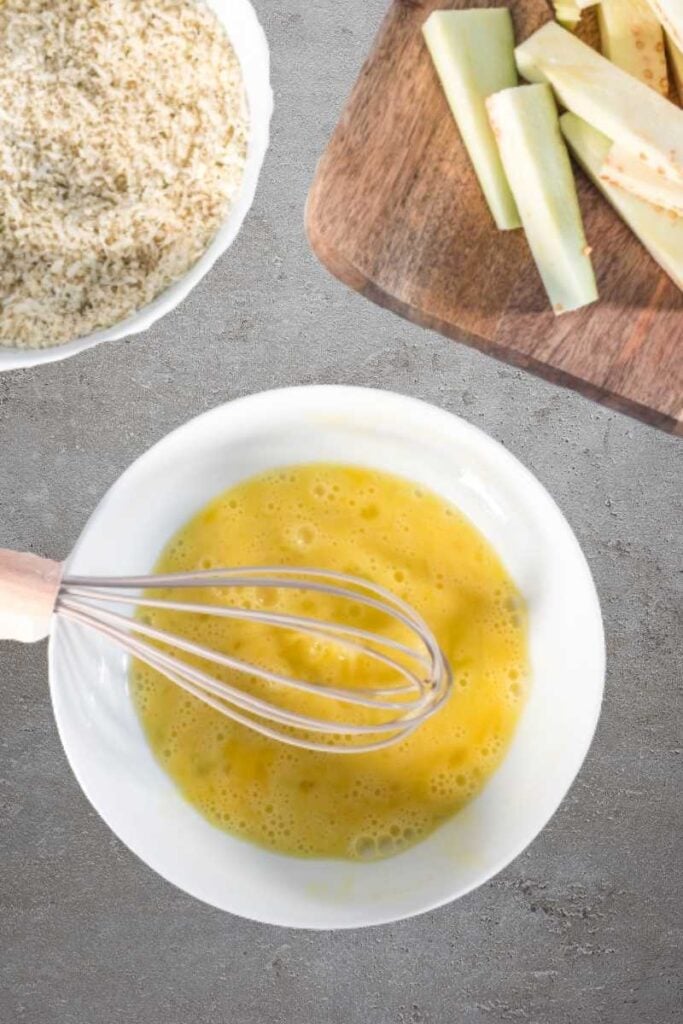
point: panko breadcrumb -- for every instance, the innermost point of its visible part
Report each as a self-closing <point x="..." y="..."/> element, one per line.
<point x="123" y="142"/>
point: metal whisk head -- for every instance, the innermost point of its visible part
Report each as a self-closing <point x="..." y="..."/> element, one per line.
<point x="421" y="674"/>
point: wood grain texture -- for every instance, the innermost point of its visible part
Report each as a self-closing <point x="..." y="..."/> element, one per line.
<point x="396" y="213"/>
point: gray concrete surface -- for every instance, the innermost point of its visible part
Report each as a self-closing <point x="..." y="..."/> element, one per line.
<point x="583" y="928"/>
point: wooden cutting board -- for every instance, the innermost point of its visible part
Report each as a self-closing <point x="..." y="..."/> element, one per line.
<point x="396" y="213"/>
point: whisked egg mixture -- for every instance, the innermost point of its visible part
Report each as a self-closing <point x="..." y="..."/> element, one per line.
<point x="403" y="537"/>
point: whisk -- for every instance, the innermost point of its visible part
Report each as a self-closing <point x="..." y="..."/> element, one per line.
<point x="33" y="589"/>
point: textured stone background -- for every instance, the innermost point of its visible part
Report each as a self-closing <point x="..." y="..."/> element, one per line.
<point x="584" y="928"/>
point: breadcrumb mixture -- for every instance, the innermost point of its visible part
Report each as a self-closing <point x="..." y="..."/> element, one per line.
<point x="123" y="141"/>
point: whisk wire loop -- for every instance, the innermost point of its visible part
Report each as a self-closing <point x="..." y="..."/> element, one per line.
<point x="424" y="672"/>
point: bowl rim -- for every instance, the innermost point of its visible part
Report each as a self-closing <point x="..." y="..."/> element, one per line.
<point x="255" y="62"/>
<point x="301" y="394"/>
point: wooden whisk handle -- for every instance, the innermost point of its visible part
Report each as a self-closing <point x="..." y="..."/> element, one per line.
<point x="28" y="590"/>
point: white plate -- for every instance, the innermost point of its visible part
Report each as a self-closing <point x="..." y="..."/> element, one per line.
<point x="102" y="735"/>
<point x="251" y="47"/>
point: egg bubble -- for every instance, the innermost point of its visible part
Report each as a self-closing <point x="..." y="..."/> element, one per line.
<point x="364" y="847"/>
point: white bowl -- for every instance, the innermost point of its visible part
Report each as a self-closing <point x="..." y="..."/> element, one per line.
<point x="251" y="47"/>
<point x="103" y="738"/>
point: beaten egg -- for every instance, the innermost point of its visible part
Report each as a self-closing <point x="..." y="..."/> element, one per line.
<point x="403" y="537"/>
